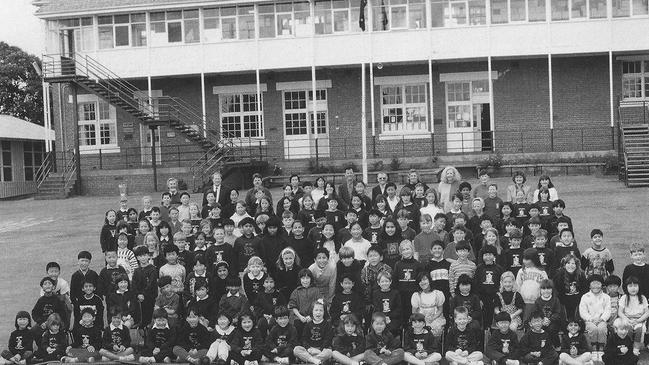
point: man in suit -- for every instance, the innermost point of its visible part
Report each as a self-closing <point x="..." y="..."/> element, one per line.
<point x="221" y="192"/>
<point x="172" y="186"/>
<point x="382" y="179"/>
<point x="346" y="189"/>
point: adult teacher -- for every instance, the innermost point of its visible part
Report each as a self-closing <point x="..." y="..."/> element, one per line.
<point x="449" y="183"/>
<point x="519" y="184"/>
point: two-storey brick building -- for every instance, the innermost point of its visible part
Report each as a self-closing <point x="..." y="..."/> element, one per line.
<point x="442" y="76"/>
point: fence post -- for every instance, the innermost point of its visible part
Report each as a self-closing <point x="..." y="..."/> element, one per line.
<point x="126" y="157"/>
<point x="178" y="154"/>
<point x="582" y="142"/>
<point x="403" y="145"/>
<point x="261" y="153"/>
<point x="432" y="144"/>
<point x="317" y="156"/>
<point x="345" y="146"/>
<point x="100" y="159"/>
<point x="521" y="139"/>
<point x="374" y="146"/>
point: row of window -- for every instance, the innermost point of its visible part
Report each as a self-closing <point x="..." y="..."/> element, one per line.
<point x="294" y="19"/>
<point x="635" y="80"/>
<point x="33" y="152"/>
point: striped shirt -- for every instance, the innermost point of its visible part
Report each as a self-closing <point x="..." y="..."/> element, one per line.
<point x="458" y="268"/>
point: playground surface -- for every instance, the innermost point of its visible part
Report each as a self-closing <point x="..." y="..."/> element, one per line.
<point x="34" y="232"/>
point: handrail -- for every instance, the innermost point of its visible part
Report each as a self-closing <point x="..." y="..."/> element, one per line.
<point x="70" y="171"/>
<point x="44" y="169"/>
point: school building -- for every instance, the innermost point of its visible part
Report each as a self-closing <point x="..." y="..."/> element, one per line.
<point x="203" y="84"/>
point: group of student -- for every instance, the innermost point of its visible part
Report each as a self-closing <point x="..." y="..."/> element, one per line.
<point x="370" y="285"/>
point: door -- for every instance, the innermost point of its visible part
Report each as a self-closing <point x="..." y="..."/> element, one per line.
<point x="145" y="132"/>
<point x="301" y="142"/>
<point x="467" y="113"/>
<point x="67" y="44"/>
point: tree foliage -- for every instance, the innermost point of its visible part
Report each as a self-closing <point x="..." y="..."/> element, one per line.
<point x="21" y="92"/>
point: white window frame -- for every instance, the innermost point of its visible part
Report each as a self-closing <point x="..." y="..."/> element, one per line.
<point x="320" y="105"/>
<point x="404" y="106"/>
<point x="474" y="98"/>
<point x="644" y="80"/>
<point x="241" y="114"/>
<point x="5" y="147"/>
<point x="99" y="123"/>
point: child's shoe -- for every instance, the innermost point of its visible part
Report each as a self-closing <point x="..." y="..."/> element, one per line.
<point x="636" y="351"/>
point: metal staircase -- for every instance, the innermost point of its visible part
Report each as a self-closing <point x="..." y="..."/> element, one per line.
<point x="152" y="111"/>
<point x="635" y="142"/>
<point x="56" y="178"/>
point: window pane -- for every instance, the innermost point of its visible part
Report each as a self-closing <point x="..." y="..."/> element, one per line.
<point x="246" y="27"/>
<point x="250" y="126"/>
<point x="302" y="22"/>
<point x="284" y="24"/>
<point x="229" y="28"/>
<point x="323" y="18"/>
<point x="107" y="133"/>
<point x="266" y="25"/>
<point x="138" y="34"/>
<point x="295" y="123"/>
<point x="341" y="20"/>
<point x="559" y="9"/>
<point x="174" y="15"/>
<point x="29" y="174"/>
<point x="121" y="19"/>
<point x="537" y="10"/>
<point x="157" y="16"/>
<point x="104" y="110"/>
<point x="417" y="16"/>
<point x="106" y="37"/>
<point x="88" y="39"/>
<point x="231" y="126"/>
<point x="212" y="30"/>
<point x="458" y="13"/>
<point x="621" y="8"/>
<point x="105" y="20"/>
<point x="398" y="17"/>
<point x="437" y="11"/>
<point x="499" y="12"/>
<point x="597" y="9"/>
<point x="578" y="9"/>
<point x="192" y="33"/>
<point x="121" y="36"/>
<point x="6" y="158"/>
<point x="632" y="87"/>
<point x="459" y="116"/>
<point x="138" y="18"/>
<point x="640" y="7"/>
<point x="517" y="9"/>
<point x="174" y="32"/>
<point x="7" y="174"/>
<point x="380" y="15"/>
<point x="190" y="14"/>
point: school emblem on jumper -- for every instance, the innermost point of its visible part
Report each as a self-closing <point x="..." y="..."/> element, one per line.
<point x="542" y="343"/>
<point x="219" y="256"/>
<point x="281" y="340"/>
<point x="516" y="261"/>
<point x="573" y="288"/>
<point x="542" y="258"/>
<point x="505" y="346"/>
<point x="374" y="237"/>
<point x="346" y="307"/>
<point x="386" y="305"/>
<point x="420" y="346"/>
<point x="274" y="301"/>
<point x="85" y="341"/>
<point x="19" y="343"/>
<point x="407" y="274"/>
<point x="247" y="342"/>
<point x="489" y="278"/>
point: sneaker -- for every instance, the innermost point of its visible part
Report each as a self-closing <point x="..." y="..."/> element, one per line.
<point x="129" y="357"/>
<point x="636" y="352"/>
<point x="282" y="360"/>
<point x="104" y="358"/>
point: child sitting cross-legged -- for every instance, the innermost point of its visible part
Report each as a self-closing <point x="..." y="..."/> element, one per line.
<point x="463" y="342"/>
<point x="381" y="346"/>
<point x="502" y="346"/>
<point x="420" y="346"/>
<point x="247" y="341"/>
<point x="116" y="341"/>
<point x="159" y="341"/>
<point x="21" y="341"/>
<point x="349" y="345"/>
<point x="282" y="337"/>
<point x="595" y="309"/>
<point x="574" y="346"/>
<point x="316" y="336"/>
<point x="536" y="345"/>
<point x="86" y="339"/>
<point x="193" y="338"/>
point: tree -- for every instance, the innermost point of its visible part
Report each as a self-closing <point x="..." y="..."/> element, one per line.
<point x="21" y="92"/>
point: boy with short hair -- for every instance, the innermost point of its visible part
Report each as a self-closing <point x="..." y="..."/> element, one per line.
<point x="597" y="259"/>
<point x="371" y="233"/>
<point x="343" y="234"/>
<point x="234" y="303"/>
<point x="219" y="251"/>
<point x="145" y="279"/>
<point x="116" y="340"/>
<point x="47" y="304"/>
<point x="463" y="341"/>
<point x="282" y="338"/>
<point x="371" y="270"/>
<point x="228" y="227"/>
<point x="86" y="338"/>
<point x="558" y="206"/>
<point x="420" y="346"/>
<point x="109" y="274"/>
<point x="185" y="257"/>
<point x="536" y="345"/>
<point x="492" y="203"/>
<point x="486" y="281"/>
<point x="619" y="346"/>
<point x="348" y="265"/>
<point x="159" y="342"/>
<point x="546" y="256"/>
<point x="61" y="288"/>
<point x="192" y="340"/>
<point x="245" y="246"/>
<point x="460" y="266"/>
<point x="168" y="300"/>
<point x="81" y="276"/>
<point x="574" y="346"/>
<point x="173" y="269"/>
<point x="638" y="268"/>
<point x="333" y="215"/>
<point x="502" y="346"/>
<point x="89" y="300"/>
<point x="347" y="301"/>
<point x="403" y="219"/>
<point x="512" y="256"/>
<point x="613" y="284"/>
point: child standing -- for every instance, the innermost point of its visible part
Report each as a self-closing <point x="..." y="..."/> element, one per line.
<point x="571" y="284"/>
<point x="420" y="345"/>
<point x="346" y="302"/>
<point x="302" y="299"/>
<point x="460" y="266"/>
<point x="45" y="306"/>
<point x="509" y="301"/>
<point x="324" y="274"/>
<point x="246" y="246"/>
<point x="619" y="345"/>
<point x="438" y="269"/>
<point x="487" y="281"/>
<point x="349" y="344"/>
<point x="597" y="259"/>
<point x="595" y="310"/>
<point x="381" y="346"/>
<point x="638" y="268"/>
<point x="316" y="336"/>
<point x="145" y="279"/>
<point x="359" y="244"/>
<point x="405" y="274"/>
<point x="633" y="309"/>
<point x="429" y="303"/>
<point x="502" y="346"/>
<point x="528" y="280"/>
<point x="81" y="276"/>
<point x="536" y="345"/>
<point x="463" y="344"/>
<point x="553" y="315"/>
<point x="574" y="346"/>
<point x="125" y="299"/>
<point x="387" y="301"/>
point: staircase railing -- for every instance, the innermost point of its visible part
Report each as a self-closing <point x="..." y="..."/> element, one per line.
<point x="69" y="175"/>
<point x="45" y="168"/>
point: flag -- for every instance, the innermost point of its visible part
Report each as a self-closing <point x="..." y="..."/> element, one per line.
<point x="361" y="16"/>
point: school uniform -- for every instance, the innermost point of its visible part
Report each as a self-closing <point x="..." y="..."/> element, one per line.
<point x="93" y="302"/>
<point x="282" y="339"/>
<point x="145" y="280"/>
<point x="503" y="346"/>
<point x="21" y="342"/>
<point x="161" y="338"/>
<point x="234" y="305"/>
<point x="82" y="338"/>
<point x="390" y="304"/>
<point x="77" y="280"/>
<point x="486" y="282"/>
<point x="613" y="354"/>
<point x="375" y="342"/>
<point x="57" y="341"/>
<point x="191" y="338"/>
<point x="345" y="304"/>
<point x="541" y="342"/>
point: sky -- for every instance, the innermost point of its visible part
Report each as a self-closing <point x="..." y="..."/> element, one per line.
<point x="20" y="27"/>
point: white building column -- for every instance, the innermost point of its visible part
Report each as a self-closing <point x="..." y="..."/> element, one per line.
<point x="203" y="104"/>
<point x="492" y="114"/>
<point x="363" y="125"/>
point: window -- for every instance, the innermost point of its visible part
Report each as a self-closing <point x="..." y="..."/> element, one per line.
<point x="121" y="30"/>
<point x="560" y="10"/>
<point x="337" y="16"/>
<point x="246" y="20"/>
<point x="178" y="26"/>
<point x="240" y="116"/>
<point x="97" y="125"/>
<point x="458" y="98"/>
<point x="33" y="157"/>
<point x="398" y="14"/>
<point x="404" y="108"/>
<point x="635" y="79"/>
<point x="138" y="30"/>
<point x="621" y="8"/>
<point x="6" y="168"/>
<point x="300" y="111"/>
